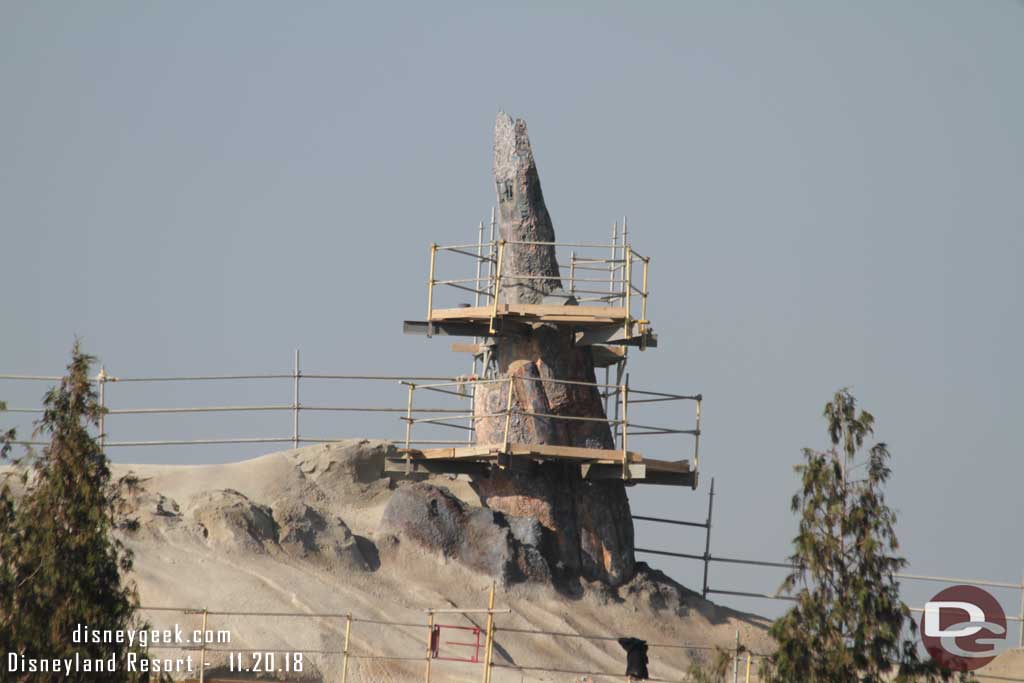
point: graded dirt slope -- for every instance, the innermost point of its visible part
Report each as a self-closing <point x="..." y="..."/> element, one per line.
<point x="297" y="531"/>
<point x="1008" y="666"/>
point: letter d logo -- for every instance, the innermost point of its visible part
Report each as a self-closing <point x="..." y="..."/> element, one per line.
<point x="933" y="612"/>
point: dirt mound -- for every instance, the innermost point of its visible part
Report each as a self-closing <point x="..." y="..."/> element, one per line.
<point x="320" y="530"/>
<point x="1008" y="666"/>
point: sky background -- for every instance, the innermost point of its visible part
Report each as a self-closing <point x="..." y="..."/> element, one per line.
<point x="831" y="193"/>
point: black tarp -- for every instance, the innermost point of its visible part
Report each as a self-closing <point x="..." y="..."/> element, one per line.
<point x="636" y="657"/>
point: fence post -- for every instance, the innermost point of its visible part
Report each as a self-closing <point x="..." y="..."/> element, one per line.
<point x="508" y="413"/>
<point x="479" y="265"/>
<point x="696" y="444"/>
<point x="478" y="286"/>
<point x="101" y="379"/>
<point x="607" y="393"/>
<point x="430" y="641"/>
<point x="344" y="661"/>
<point x="627" y="254"/>
<point x="616" y="427"/>
<point x="747" y="679"/>
<point x="408" y="430"/>
<point x="497" y="285"/>
<point x="1020" y="641"/>
<point x="296" y="373"/>
<point x="627" y="251"/>
<point x="612" y="266"/>
<point x="489" y="639"/>
<point x="625" y="428"/>
<point x="736" y="660"/>
<point x="707" y="537"/>
<point x="202" y="650"/>
<point x="471" y="433"/>
<point x="430" y="283"/>
<point x="572" y="273"/>
<point x="643" y="304"/>
<point x="492" y="252"/>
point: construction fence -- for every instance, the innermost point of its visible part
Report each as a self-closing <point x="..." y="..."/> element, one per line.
<point x="399" y="420"/>
<point x="353" y="646"/>
<point x="1004" y="591"/>
<point x="404" y="415"/>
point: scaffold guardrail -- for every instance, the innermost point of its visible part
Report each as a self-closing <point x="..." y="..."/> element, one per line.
<point x="434" y="422"/>
<point x="622" y="425"/>
<point x="601" y="279"/>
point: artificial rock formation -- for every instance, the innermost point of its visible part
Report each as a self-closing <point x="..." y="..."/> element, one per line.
<point x="507" y="548"/>
<point x="590" y="520"/>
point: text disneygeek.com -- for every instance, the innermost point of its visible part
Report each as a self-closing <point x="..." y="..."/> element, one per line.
<point x="133" y="661"/>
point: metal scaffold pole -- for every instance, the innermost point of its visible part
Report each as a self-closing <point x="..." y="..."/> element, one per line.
<point x="736" y="660"/>
<point x="430" y="648"/>
<point x="202" y="651"/>
<point x="492" y="250"/>
<point x="1020" y="640"/>
<point x="627" y="257"/>
<point x="344" y="661"/>
<point x="625" y="428"/>
<point x="612" y="264"/>
<point x="707" y="537"/>
<point x="611" y="290"/>
<point x="101" y="379"/>
<point x="489" y="639"/>
<point x="296" y="373"/>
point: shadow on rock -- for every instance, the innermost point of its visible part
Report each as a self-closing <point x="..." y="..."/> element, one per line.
<point x="478" y="538"/>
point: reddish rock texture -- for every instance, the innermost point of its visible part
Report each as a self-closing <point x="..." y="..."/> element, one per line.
<point x="590" y="521"/>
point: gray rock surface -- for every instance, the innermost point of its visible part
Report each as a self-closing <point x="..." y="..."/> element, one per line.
<point x="344" y="463"/>
<point x="145" y="512"/>
<point x="306" y="533"/>
<point x="228" y="519"/>
<point x="480" y="539"/>
<point x="524" y="216"/>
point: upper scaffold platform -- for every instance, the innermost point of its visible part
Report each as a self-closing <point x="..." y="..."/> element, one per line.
<point x="594" y="293"/>
<point x="424" y="454"/>
<point x="601" y="295"/>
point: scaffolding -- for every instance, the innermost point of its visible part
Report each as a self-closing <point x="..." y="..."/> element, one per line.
<point x="598" y="292"/>
<point x="425" y="431"/>
<point x="120" y="412"/>
<point x="601" y="297"/>
<point x="621" y="462"/>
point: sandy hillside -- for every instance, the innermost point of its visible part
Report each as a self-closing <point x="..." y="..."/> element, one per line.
<point x="1009" y="666"/>
<point x="297" y="531"/>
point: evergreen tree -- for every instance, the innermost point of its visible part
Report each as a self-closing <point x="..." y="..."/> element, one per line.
<point x="7" y="539"/>
<point x="714" y="671"/>
<point x="60" y="565"/>
<point x="848" y="624"/>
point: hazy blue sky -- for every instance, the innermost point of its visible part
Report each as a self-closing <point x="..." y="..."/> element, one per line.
<point x="832" y="193"/>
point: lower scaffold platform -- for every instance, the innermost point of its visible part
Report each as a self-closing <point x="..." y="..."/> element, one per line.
<point x="594" y="463"/>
